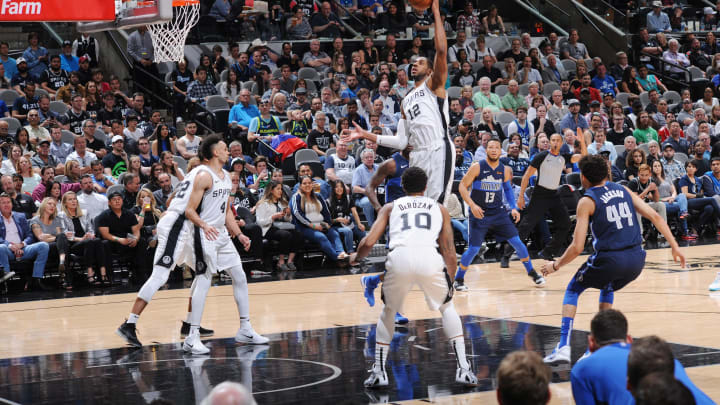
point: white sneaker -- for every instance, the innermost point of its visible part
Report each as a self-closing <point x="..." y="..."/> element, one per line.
<point x="715" y="286"/>
<point x="249" y="336"/>
<point x="460" y="286"/>
<point x="465" y="376"/>
<point x="559" y="355"/>
<point x="7" y="276"/>
<point x="193" y="345"/>
<point x="376" y="379"/>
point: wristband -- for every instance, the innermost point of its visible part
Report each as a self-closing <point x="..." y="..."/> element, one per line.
<point x="141" y="215"/>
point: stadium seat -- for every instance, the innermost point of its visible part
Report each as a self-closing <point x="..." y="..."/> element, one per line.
<point x="309" y="73"/>
<point x="620" y="149"/>
<point x="68" y="137"/>
<point x="115" y="188"/>
<point x="182" y="163"/>
<point x="681" y="157"/>
<point x="644" y="98"/>
<point x="216" y="102"/>
<point x="623" y="98"/>
<point x="672" y="97"/>
<point x="9" y="96"/>
<point x="549" y="87"/>
<point x="454" y="92"/>
<point x="58" y="107"/>
<point x="524" y="89"/>
<point x="501" y="90"/>
<point x="505" y="118"/>
<point x="13" y="124"/>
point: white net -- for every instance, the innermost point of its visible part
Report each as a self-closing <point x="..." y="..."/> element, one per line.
<point x="169" y="37"/>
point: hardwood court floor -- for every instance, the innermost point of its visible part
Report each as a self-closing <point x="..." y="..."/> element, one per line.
<point x="665" y="300"/>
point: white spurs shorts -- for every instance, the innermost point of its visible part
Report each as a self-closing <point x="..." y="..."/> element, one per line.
<point x="407" y="267"/>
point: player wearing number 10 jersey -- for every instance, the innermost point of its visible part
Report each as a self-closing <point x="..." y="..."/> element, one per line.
<point x="610" y="211"/>
<point x="421" y="247"/>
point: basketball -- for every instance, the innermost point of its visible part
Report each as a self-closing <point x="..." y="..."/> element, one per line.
<point x="421" y="4"/>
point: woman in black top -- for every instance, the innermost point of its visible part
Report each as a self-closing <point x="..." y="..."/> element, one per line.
<point x="489" y="125"/>
<point x="212" y="76"/>
<point x="630" y="83"/>
<point x="344" y="216"/>
<point x="84" y="243"/>
<point x="393" y="20"/>
<point x="370" y="52"/>
<point x="153" y="184"/>
<point x="633" y="162"/>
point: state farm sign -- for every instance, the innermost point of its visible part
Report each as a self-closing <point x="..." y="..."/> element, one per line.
<point x="57" y="10"/>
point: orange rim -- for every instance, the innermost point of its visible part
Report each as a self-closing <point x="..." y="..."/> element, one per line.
<point x="181" y="3"/>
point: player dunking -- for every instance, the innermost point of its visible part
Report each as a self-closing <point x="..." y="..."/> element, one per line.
<point x="490" y="180"/>
<point x="610" y="211"/>
<point x="205" y="189"/>
<point x="419" y="227"/>
<point x="425" y="120"/>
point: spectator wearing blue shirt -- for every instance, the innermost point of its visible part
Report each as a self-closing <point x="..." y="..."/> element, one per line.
<point x="603" y="81"/>
<point x="573" y="119"/>
<point x="36" y="56"/>
<point x="4" y="111"/>
<point x="7" y="61"/>
<point x="605" y="373"/>
<point x="68" y="61"/>
<point x="242" y="113"/>
<point x="656" y="20"/>
<point x="242" y="69"/>
<point x="220" y="10"/>
<point x="350" y="92"/>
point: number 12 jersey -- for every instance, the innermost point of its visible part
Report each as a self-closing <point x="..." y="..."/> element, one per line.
<point x="614" y="223"/>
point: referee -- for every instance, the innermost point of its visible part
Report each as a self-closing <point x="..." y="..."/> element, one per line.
<point x="549" y="166"/>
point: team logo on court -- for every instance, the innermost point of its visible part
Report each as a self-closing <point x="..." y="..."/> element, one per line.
<point x="167" y="259"/>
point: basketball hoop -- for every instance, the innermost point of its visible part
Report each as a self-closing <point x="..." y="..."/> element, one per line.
<point x="169" y="37"/>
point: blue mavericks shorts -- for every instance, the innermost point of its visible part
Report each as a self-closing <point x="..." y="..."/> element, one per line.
<point x="498" y="221"/>
<point x="611" y="270"/>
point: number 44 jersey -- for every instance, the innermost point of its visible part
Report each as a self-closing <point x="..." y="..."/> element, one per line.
<point x="415" y="222"/>
<point x="614" y="224"/>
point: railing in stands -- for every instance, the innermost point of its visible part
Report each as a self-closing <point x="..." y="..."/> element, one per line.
<point x="662" y="64"/>
<point x="532" y="10"/>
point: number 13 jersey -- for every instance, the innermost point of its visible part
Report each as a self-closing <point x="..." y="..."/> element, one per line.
<point x="415" y="222"/>
<point x="487" y="191"/>
<point x="614" y="223"/>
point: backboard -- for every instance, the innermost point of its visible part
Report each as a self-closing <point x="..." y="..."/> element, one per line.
<point x="132" y="13"/>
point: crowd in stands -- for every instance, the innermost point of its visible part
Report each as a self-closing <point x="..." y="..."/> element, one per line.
<point x="662" y="143"/>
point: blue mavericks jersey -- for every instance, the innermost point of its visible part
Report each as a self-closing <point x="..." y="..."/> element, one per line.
<point x="393" y="185"/>
<point x="487" y="191"/>
<point x="614" y="224"/>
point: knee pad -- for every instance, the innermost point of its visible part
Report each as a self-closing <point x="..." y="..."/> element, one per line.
<point x="520" y="247"/>
<point x="158" y="278"/>
<point x="572" y="293"/>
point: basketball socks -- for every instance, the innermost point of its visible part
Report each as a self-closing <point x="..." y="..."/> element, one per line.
<point x="133" y="318"/>
<point x="465" y="261"/>
<point x="189" y="317"/>
<point x="381" y="353"/>
<point x="458" y="346"/>
<point x="194" y="329"/>
<point x="528" y="266"/>
<point x="565" y="331"/>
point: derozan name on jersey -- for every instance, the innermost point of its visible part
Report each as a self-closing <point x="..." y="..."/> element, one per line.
<point x="10" y="7"/>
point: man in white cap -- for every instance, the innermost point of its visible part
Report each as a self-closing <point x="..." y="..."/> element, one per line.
<point x="116" y="162"/>
<point x="708" y="19"/>
<point x="657" y="21"/>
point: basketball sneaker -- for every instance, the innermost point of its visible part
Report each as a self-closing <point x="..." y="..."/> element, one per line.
<point x="459" y="285"/>
<point x="585" y="355"/>
<point x="369" y="284"/>
<point x="193" y="345"/>
<point x="715" y="286"/>
<point x="128" y="332"/>
<point x="400" y="320"/>
<point x="249" y="336"/>
<point x="378" y="378"/>
<point x="465" y="376"/>
<point x="558" y="356"/>
<point x="504" y="261"/>
<point x="537" y="279"/>
<point x="7" y="276"/>
<point x="185" y="330"/>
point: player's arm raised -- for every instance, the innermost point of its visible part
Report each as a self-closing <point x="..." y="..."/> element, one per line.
<point x="585" y="208"/>
<point x="646" y="211"/>
<point x="583" y="147"/>
<point x="387" y="168"/>
<point x="440" y="68"/>
<point x="233" y="227"/>
<point x="446" y="242"/>
<point x="203" y="182"/>
<point x="377" y="230"/>
<point x="464" y="190"/>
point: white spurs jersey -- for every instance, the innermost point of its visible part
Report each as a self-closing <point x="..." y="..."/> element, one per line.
<point x="426" y="117"/>
<point x="214" y="202"/>
<point x="415" y="222"/>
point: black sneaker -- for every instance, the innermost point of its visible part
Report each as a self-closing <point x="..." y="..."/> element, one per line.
<point x="537" y="279"/>
<point x="127" y="331"/>
<point x="504" y="261"/>
<point x="185" y="330"/>
<point x="545" y="255"/>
